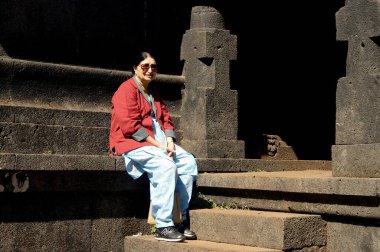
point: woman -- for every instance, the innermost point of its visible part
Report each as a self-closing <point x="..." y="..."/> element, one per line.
<point x="143" y="133"/>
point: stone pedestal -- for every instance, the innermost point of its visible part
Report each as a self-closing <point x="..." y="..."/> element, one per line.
<point x="209" y="107"/>
<point x="356" y="153"/>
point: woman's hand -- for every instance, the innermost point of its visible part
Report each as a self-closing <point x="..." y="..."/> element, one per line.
<point x="171" y="149"/>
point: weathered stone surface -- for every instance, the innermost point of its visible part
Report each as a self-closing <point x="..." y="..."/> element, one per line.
<point x="244" y="165"/>
<point x="70" y="221"/>
<point x="7" y="161"/>
<point x="307" y="181"/>
<point x="85" y="141"/>
<point x="109" y="234"/>
<point x="209" y="106"/>
<point x="357" y="116"/>
<point x="49" y="236"/>
<point x="359" y="160"/>
<point x="56" y="86"/>
<point x="64" y="162"/>
<point x="358" y="110"/>
<point x="314" y="192"/>
<point x="16" y="114"/>
<point x="284" y="231"/>
<point x="30" y="138"/>
<point x="215" y="148"/>
<point x="205" y="17"/>
<point x="149" y="244"/>
<point x="51" y="139"/>
<point x="342" y="237"/>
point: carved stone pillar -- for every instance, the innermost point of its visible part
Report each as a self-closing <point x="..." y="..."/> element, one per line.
<point x="357" y="149"/>
<point x="209" y="107"/>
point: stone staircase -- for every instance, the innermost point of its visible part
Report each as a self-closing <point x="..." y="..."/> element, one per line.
<point x="276" y="211"/>
<point x="244" y="230"/>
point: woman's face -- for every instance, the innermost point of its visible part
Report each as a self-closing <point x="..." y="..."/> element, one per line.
<point x="146" y="70"/>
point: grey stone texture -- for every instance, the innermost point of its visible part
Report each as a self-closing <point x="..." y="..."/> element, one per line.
<point x="32" y="115"/>
<point x="245" y="165"/>
<point x="314" y="192"/>
<point x="71" y="221"/>
<point x="356" y="160"/>
<point x="50" y="131"/>
<point x="310" y="181"/>
<point x="147" y="243"/>
<point x="209" y="107"/>
<point x="30" y="138"/>
<point x="342" y="237"/>
<point x="283" y="231"/>
<point x="357" y="99"/>
<point x="64" y="87"/>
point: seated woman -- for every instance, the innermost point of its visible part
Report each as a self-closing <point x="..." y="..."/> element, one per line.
<point x="143" y="133"/>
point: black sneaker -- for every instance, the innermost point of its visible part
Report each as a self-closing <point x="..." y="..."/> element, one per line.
<point x="190" y="235"/>
<point x="169" y="234"/>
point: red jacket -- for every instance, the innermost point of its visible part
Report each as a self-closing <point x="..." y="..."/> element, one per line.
<point x="131" y="120"/>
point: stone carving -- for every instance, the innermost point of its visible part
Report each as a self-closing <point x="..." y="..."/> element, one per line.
<point x="14" y="182"/>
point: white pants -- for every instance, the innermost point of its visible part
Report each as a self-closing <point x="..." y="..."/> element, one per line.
<point x="166" y="176"/>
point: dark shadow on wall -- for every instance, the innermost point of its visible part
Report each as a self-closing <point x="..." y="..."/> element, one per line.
<point x="286" y="72"/>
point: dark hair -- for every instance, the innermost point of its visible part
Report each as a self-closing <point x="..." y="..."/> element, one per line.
<point x="140" y="57"/>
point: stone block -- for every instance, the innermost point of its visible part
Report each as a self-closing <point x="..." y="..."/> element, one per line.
<point x="343" y="237"/>
<point x="7" y="161"/>
<point x="275" y="230"/>
<point x="359" y="160"/>
<point x="30" y="138"/>
<point x="147" y="243"/>
<point x="46" y="236"/>
<point x="64" y="163"/>
<point x="85" y="141"/>
<point x="214" y="148"/>
<point x="43" y="116"/>
<point x="358" y="110"/>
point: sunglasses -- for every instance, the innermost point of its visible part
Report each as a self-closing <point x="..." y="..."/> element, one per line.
<point x="146" y="66"/>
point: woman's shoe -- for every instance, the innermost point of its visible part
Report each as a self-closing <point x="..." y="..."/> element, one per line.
<point x="190" y="235"/>
<point x="169" y="234"/>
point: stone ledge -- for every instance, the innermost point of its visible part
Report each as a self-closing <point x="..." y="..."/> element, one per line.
<point x="307" y="181"/>
<point x="147" y="243"/>
<point x="58" y="86"/>
<point x="61" y="117"/>
<point x="244" y="165"/>
<point x="313" y="192"/>
<point x="34" y="115"/>
<point x="41" y="162"/>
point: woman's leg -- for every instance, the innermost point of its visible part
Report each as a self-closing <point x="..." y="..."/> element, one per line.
<point x="184" y="189"/>
<point x="162" y="174"/>
<point x="187" y="174"/>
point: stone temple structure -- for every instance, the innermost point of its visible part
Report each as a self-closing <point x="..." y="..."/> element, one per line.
<point x="272" y="176"/>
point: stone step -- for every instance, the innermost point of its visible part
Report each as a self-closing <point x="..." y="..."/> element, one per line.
<point x="44" y="116"/>
<point x="306" y="181"/>
<point x="56" y="162"/>
<point x="58" y="86"/>
<point x="275" y="230"/>
<point x="66" y="173"/>
<point x="307" y="191"/>
<point x="51" y="131"/>
<point x="53" y="139"/>
<point x="244" y="165"/>
<point x="147" y="243"/>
